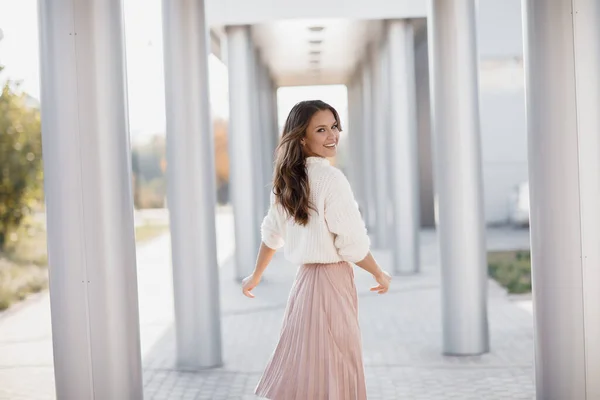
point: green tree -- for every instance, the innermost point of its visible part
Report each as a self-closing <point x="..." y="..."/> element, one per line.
<point x="21" y="177"/>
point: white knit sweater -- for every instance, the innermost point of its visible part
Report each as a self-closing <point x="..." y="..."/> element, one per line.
<point x="335" y="233"/>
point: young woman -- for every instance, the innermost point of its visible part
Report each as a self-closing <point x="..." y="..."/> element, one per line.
<point x="313" y="213"/>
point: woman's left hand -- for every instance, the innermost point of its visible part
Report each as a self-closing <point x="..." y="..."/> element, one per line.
<point x="384" y="279"/>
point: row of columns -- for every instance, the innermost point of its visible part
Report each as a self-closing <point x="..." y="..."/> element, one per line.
<point x="89" y="201"/>
<point x="382" y="90"/>
<point x="88" y="190"/>
<point x="384" y="138"/>
<point x="87" y="158"/>
<point x="562" y="60"/>
<point x="253" y="137"/>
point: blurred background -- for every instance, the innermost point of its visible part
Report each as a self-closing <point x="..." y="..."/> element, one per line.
<point x="310" y="54"/>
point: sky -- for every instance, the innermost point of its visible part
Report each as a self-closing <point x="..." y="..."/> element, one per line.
<point x="19" y="53"/>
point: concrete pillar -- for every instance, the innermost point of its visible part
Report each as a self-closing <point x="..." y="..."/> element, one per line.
<point x="255" y="130"/>
<point x="562" y="64"/>
<point x="271" y="94"/>
<point x="275" y="106"/>
<point x="243" y="183"/>
<point x="368" y="145"/>
<point x="357" y="131"/>
<point x="191" y="185"/>
<point x="348" y="135"/>
<point x="426" y="185"/>
<point x="355" y="159"/>
<point x="379" y="138"/>
<point x="271" y="99"/>
<point x="89" y="201"/>
<point x="457" y="159"/>
<point x="385" y="101"/>
<point x="404" y="163"/>
<point x="267" y="137"/>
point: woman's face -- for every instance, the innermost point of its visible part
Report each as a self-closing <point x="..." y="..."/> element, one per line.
<point x="322" y="135"/>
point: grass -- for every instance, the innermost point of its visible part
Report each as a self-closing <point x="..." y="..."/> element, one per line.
<point x="145" y="233"/>
<point x="512" y="269"/>
<point x="28" y="244"/>
<point x="19" y="281"/>
<point x="23" y="264"/>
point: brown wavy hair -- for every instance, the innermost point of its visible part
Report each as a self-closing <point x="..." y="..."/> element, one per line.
<point x="290" y="180"/>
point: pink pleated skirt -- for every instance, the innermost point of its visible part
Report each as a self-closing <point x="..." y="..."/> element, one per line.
<point x="319" y="354"/>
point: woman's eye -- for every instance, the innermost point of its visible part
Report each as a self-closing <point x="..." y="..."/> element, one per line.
<point x="334" y="127"/>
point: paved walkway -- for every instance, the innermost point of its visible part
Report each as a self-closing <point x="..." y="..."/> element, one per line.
<point x="401" y="334"/>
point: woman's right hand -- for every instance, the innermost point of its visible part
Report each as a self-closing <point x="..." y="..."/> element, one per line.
<point x="383" y="279"/>
<point x="248" y="284"/>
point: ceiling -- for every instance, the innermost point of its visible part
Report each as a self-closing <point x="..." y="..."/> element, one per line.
<point x="313" y="52"/>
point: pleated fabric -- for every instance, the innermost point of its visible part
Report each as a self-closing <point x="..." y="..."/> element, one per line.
<point x="319" y="354"/>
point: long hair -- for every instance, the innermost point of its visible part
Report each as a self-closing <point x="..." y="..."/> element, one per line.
<point x="290" y="180"/>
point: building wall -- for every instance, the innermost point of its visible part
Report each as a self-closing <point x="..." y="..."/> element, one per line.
<point x="502" y="109"/>
<point x="504" y="140"/>
<point x="501" y="103"/>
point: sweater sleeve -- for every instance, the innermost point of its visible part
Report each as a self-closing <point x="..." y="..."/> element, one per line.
<point x="272" y="228"/>
<point x="344" y="220"/>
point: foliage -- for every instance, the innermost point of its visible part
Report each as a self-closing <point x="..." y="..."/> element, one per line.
<point x="21" y="176"/>
<point x="512" y="270"/>
<point x="221" y="153"/>
<point x="221" y="161"/>
<point x="149" y="167"/>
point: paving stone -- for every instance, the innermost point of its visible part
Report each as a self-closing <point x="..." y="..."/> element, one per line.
<point x="401" y="336"/>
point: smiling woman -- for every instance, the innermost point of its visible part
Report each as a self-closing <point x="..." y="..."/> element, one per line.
<point x="311" y="129"/>
<point x="314" y="215"/>
<point x="322" y="134"/>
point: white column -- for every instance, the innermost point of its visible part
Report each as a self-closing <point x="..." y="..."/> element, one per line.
<point x="256" y="131"/>
<point x="403" y="144"/>
<point x="367" y="145"/>
<point x="354" y="158"/>
<point x="357" y="132"/>
<point x="455" y="120"/>
<point x="191" y="185"/>
<point x="272" y="117"/>
<point x="266" y="132"/>
<point x="275" y="107"/>
<point x="349" y="136"/>
<point x="562" y="64"/>
<point x="270" y="99"/>
<point x="385" y="128"/>
<point x="241" y="149"/>
<point x="379" y="144"/>
<point x="87" y="172"/>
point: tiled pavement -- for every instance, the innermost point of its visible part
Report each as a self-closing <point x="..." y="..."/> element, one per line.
<point x="401" y="335"/>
